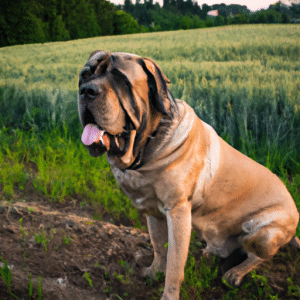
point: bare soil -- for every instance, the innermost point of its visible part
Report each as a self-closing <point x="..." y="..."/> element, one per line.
<point x="78" y="245"/>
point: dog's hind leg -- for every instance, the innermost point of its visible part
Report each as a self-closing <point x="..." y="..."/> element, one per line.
<point x="260" y="244"/>
<point x="158" y="230"/>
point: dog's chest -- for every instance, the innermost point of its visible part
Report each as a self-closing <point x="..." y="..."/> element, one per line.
<point x="137" y="187"/>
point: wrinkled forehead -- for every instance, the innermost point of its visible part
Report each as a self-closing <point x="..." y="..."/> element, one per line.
<point x="126" y="56"/>
<point x="127" y="63"/>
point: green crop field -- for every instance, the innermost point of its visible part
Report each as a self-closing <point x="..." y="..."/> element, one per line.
<point x="243" y="80"/>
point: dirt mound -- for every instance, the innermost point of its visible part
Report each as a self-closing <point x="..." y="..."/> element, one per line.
<point x="75" y="257"/>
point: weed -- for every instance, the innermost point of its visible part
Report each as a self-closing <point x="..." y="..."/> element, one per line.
<point x="263" y="290"/>
<point x="6" y="276"/>
<point x="129" y="271"/>
<point x="41" y="238"/>
<point x="30" y="287"/>
<point x="107" y="279"/>
<point x="293" y="290"/>
<point x="30" y="210"/>
<point x="198" y="275"/>
<point x="67" y="239"/>
<point x="89" y="223"/>
<point x="24" y="238"/>
<point x="23" y="232"/>
<point x="89" y="280"/>
<point x="40" y="289"/>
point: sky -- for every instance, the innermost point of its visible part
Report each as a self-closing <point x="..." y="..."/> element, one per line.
<point x="251" y="4"/>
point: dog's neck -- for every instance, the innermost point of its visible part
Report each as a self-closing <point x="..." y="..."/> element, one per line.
<point x="168" y="136"/>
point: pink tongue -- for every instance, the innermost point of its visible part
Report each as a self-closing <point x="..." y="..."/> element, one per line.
<point x="91" y="134"/>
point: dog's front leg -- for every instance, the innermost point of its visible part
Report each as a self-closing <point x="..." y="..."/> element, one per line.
<point x="179" y="234"/>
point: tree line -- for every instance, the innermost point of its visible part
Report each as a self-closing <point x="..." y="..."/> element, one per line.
<point x="180" y="14"/>
<point x="38" y="21"/>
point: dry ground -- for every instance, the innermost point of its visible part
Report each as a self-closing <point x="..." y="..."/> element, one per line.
<point x="78" y="245"/>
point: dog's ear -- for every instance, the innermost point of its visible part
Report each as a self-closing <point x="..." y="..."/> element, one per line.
<point x="150" y="64"/>
<point x="159" y="94"/>
<point x="100" y="53"/>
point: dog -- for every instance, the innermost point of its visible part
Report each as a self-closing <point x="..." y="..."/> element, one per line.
<point x="176" y="169"/>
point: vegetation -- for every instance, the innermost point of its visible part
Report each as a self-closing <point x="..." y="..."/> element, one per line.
<point x="35" y="21"/>
<point x="5" y="274"/>
<point x="243" y="80"/>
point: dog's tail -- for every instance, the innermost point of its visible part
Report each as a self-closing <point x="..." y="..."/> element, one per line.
<point x="295" y="242"/>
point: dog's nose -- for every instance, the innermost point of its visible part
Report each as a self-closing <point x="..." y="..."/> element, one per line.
<point x="88" y="91"/>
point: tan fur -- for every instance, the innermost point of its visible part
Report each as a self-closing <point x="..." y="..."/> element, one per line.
<point x="192" y="178"/>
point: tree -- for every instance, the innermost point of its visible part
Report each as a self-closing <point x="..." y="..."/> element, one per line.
<point x="219" y="21"/>
<point x="259" y="17"/>
<point x="240" y="19"/>
<point x="21" y="23"/>
<point x="125" y="23"/>
<point x="274" y="16"/>
<point x="205" y="9"/>
<point x="128" y="6"/>
<point x="166" y="3"/>
<point x="105" y="12"/>
<point x="81" y="20"/>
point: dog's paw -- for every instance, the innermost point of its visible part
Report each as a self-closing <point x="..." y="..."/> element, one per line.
<point x="233" y="278"/>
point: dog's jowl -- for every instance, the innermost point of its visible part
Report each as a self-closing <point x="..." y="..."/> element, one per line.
<point x="176" y="169"/>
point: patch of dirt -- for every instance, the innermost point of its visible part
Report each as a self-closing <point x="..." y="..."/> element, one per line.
<point x="77" y="245"/>
<point x="112" y="256"/>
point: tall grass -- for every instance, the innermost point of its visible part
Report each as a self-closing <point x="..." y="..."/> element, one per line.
<point x="243" y="80"/>
<point x="59" y="168"/>
<point x="55" y="65"/>
<point x="37" y="110"/>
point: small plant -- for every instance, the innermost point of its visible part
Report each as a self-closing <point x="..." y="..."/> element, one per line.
<point x="263" y="290"/>
<point x="89" y="223"/>
<point x="30" y="287"/>
<point x="40" y="290"/>
<point x="198" y="275"/>
<point x="107" y="279"/>
<point x="6" y="276"/>
<point x="129" y="271"/>
<point x="41" y="238"/>
<point x="159" y="276"/>
<point x="293" y="290"/>
<point x="67" y="239"/>
<point x="89" y="280"/>
<point x="24" y="236"/>
<point x="23" y="232"/>
<point x="30" y="210"/>
<point x="158" y="293"/>
<point x="232" y="294"/>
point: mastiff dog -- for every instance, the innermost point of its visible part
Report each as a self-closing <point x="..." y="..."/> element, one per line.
<point x="176" y="169"/>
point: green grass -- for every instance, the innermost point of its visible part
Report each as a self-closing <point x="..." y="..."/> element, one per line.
<point x="6" y="276"/>
<point x="59" y="168"/>
<point x="243" y="80"/>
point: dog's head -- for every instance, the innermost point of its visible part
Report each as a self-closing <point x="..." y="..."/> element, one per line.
<point x="122" y="96"/>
